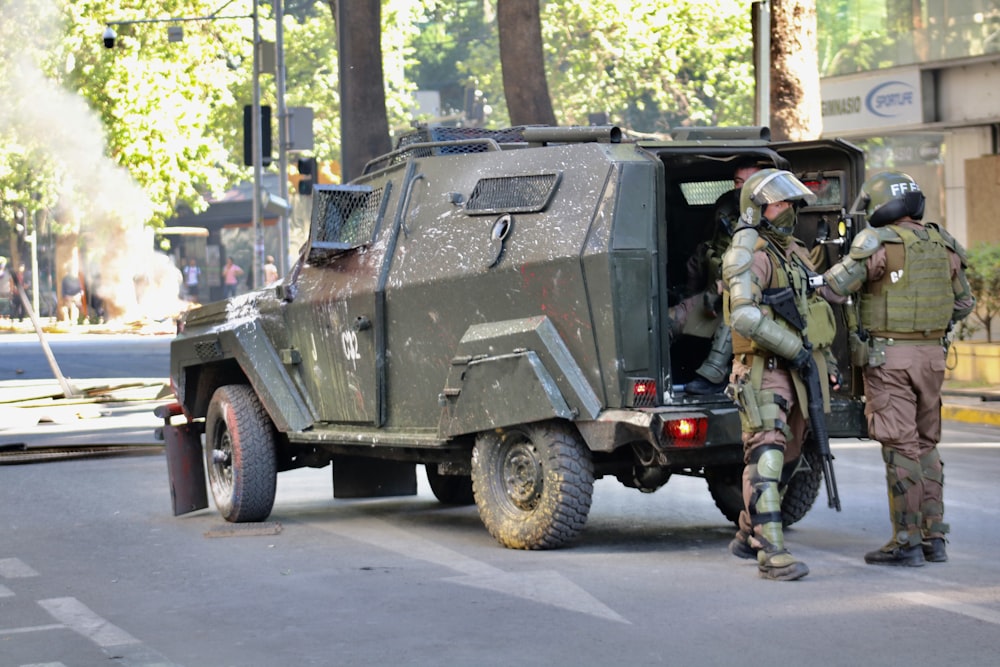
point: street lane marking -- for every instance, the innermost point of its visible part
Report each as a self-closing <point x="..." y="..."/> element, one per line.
<point x="545" y="587"/>
<point x="970" y="610"/>
<point x="31" y="628"/>
<point x="15" y="568"/>
<point x="79" y="618"/>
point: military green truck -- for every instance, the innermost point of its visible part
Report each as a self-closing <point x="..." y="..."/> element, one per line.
<point x="494" y="305"/>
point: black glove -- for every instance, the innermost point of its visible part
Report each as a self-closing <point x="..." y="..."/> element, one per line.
<point x="802" y="358"/>
<point x="836" y="379"/>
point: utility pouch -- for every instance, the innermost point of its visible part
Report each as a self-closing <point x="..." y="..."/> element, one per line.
<point x="859" y="350"/>
<point x="876" y="352"/>
<point x="749" y="411"/>
<point x="822" y="325"/>
<point x="782" y="303"/>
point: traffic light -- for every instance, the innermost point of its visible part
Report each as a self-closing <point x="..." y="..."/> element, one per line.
<point x="265" y="135"/>
<point x="308" y="175"/>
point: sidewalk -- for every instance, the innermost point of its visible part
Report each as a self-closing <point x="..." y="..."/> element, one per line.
<point x="972" y="406"/>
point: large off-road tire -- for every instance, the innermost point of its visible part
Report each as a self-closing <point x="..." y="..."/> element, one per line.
<point x="725" y="483"/>
<point x="532" y="484"/>
<point x="240" y="454"/>
<point x="450" y="489"/>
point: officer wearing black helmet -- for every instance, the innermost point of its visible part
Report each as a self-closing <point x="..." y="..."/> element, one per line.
<point x="911" y="277"/>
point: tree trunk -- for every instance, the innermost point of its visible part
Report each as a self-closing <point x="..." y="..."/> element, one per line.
<point x="522" y="62"/>
<point x="795" y="110"/>
<point x="364" y="124"/>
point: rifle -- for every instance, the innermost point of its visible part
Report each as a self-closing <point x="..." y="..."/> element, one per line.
<point x="817" y="422"/>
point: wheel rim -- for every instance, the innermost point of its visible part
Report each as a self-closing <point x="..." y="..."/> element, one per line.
<point x="222" y="466"/>
<point x="523" y="476"/>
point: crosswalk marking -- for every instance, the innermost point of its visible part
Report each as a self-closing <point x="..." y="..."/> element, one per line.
<point x="15" y="568"/>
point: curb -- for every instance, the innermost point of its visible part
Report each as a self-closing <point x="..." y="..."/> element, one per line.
<point x="966" y="414"/>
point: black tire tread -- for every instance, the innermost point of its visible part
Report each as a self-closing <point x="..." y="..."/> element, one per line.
<point x="254" y="461"/>
<point x="566" y="498"/>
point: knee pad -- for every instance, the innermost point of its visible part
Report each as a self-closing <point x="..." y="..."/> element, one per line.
<point x="931" y="466"/>
<point x="894" y="462"/>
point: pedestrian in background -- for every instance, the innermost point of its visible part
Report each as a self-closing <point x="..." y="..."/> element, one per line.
<point x="230" y="278"/>
<point x="192" y="279"/>
<point x="7" y="291"/>
<point x="911" y="276"/>
<point x="270" y="271"/>
<point x="72" y="297"/>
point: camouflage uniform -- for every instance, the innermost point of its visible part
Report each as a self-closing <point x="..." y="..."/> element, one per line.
<point x="768" y="344"/>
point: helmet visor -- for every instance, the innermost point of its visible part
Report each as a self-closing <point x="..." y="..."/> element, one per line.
<point x="780" y="186"/>
<point x="860" y="205"/>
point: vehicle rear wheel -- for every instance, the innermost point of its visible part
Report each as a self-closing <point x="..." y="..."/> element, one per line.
<point x="450" y="489"/>
<point x="798" y="494"/>
<point x="240" y="454"/>
<point x="532" y="484"/>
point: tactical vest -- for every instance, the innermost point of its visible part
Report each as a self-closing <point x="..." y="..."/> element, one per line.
<point x="821" y="327"/>
<point x="914" y="298"/>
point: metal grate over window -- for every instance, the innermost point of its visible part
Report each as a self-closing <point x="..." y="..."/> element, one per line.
<point x="702" y="193"/>
<point x="512" y="194"/>
<point x="345" y="216"/>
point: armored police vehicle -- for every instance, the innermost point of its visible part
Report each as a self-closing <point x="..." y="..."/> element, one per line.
<point x="493" y="305"/>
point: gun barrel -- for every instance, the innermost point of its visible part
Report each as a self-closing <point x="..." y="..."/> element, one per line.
<point x="817" y="422"/>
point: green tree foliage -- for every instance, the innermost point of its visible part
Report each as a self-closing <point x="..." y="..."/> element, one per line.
<point x="152" y="124"/>
<point x="984" y="279"/>
<point x="650" y="65"/>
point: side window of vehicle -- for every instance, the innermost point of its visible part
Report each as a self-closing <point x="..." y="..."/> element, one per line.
<point x="345" y="217"/>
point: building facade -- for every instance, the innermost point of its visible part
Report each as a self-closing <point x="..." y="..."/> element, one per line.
<point x="916" y="84"/>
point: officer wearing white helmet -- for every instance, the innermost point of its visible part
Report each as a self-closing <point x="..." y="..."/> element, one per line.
<point x="772" y="312"/>
<point x="911" y="276"/>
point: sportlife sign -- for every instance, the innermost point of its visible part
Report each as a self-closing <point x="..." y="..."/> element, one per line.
<point x="873" y="102"/>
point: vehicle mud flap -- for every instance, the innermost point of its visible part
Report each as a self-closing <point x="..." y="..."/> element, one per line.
<point x="186" y="468"/>
<point x="364" y="477"/>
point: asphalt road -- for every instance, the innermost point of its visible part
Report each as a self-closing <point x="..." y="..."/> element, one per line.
<point x="22" y="356"/>
<point x="95" y="570"/>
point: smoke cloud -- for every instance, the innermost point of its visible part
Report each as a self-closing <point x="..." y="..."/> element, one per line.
<point x="98" y="199"/>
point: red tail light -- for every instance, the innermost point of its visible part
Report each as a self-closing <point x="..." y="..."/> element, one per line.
<point x="643" y="392"/>
<point x="685" y="432"/>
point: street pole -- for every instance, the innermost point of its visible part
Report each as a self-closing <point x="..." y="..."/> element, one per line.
<point x="258" y="157"/>
<point x="763" y="63"/>
<point x="279" y="52"/>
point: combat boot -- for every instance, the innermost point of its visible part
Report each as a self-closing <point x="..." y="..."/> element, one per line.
<point x="780" y="566"/>
<point x="740" y="547"/>
<point x="894" y="553"/>
<point x="905" y="485"/>
<point x="934" y="551"/>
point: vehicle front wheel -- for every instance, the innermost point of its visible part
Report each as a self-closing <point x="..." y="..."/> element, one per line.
<point x="532" y="484"/>
<point x="240" y="454"/>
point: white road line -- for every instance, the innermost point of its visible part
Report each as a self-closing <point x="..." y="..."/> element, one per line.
<point x="545" y="587"/>
<point x="78" y="617"/>
<point x="970" y="610"/>
<point x="15" y="568"/>
<point x="44" y="664"/>
<point x="30" y="628"/>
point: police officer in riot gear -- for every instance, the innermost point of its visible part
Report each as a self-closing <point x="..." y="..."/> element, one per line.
<point x="772" y="312"/>
<point x="911" y="276"/>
